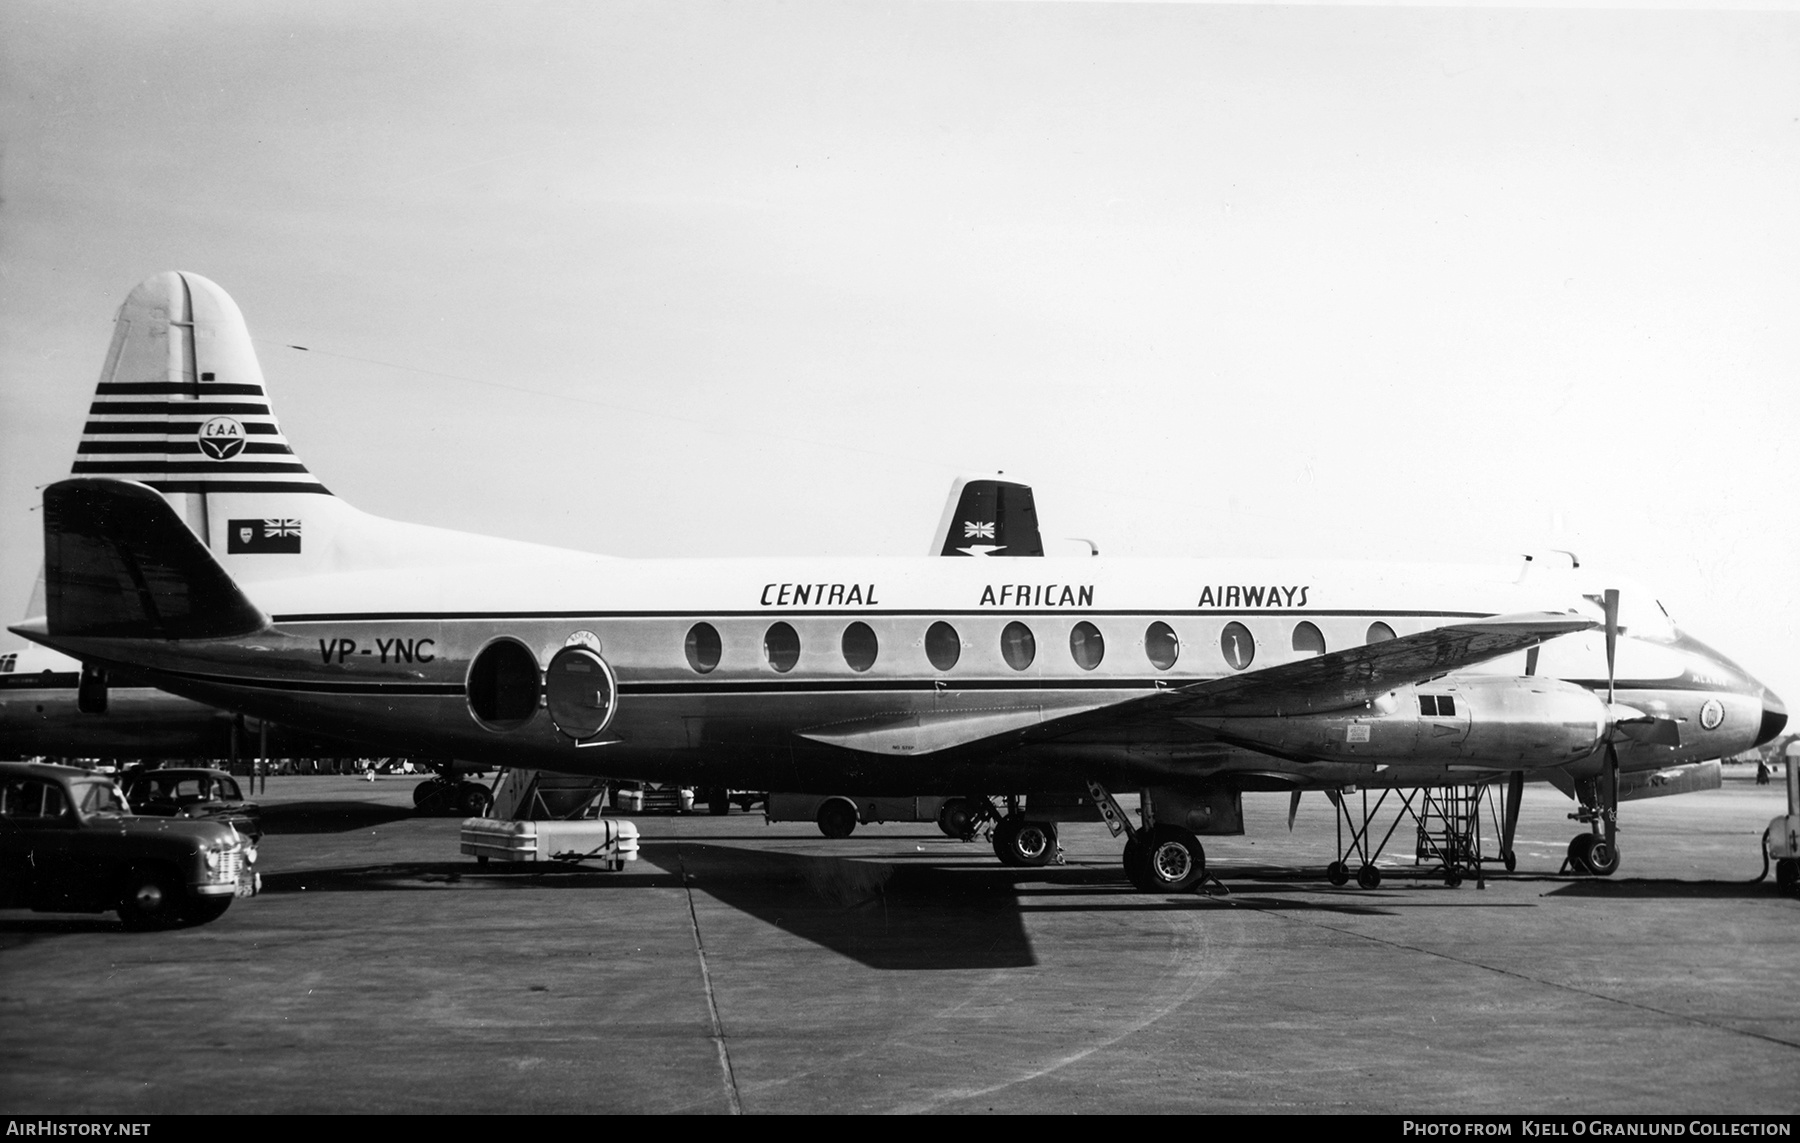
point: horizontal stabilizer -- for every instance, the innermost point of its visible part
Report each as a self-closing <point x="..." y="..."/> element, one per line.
<point x="119" y="562"/>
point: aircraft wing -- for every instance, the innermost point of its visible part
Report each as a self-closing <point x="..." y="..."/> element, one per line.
<point x="1355" y="675"/>
<point x="1335" y="681"/>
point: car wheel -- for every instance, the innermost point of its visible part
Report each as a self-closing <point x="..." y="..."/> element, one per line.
<point x="473" y="800"/>
<point x="837" y="819"/>
<point x="151" y="900"/>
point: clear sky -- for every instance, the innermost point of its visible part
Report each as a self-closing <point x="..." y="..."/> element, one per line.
<point x="751" y="278"/>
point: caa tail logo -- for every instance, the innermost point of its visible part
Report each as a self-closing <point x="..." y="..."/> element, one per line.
<point x="222" y="438"/>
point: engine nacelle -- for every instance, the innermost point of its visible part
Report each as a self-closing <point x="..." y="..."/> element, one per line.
<point x="1504" y="723"/>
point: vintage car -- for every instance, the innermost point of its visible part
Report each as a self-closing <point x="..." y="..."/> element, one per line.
<point x="192" y="793"/>
<point x="70" y="843"/>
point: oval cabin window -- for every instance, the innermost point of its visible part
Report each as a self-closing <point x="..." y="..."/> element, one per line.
<point x="781" y="647"/>
<point x="943" y="646"/>
<point x="1087" y="645"/>
<point x="1378" y="633"/>
<point x="1308" y="640"/>
<point x="1237" y="645"/>
<point x="860" y="646"/>
<point x="1018" y="646"/>
<point x="703" y="647"/>
<point x="1161" y="645"/>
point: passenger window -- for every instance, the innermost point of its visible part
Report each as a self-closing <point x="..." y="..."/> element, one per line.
<point x="1087" y="645"/>
<point x="1378" y="633"/>
<point x="860" y="646"/>
<point x="703" y="647"/>
<point x="1237" y="645"/>
<point x="781" y="647"/>
<point x="943" y="646"/>
<point x="1161" y="645"/>
<point x="1308" y="640"/>
<point x="1018" y="646"/>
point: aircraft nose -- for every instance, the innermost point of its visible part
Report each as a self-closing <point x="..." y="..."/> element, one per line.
<point x="1774" y="718"/>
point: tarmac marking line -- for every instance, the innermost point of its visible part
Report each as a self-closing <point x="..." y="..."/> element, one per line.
<point x="712" y="1004"/>
<point x="1531" y="979"/>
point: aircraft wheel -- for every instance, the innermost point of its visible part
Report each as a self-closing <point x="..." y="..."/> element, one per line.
<point x="428" y="791"/>
<point x="473" y="800"/>
<point x="718" y="801"/>
<point x="837" y="819"/>
<point x="1452" y="879"/>
<point x="1510" y="860"/>
<point x="956" y="818"/>
<point x="1026" y="844"/>
<point x="1132" y="858"/>
<point x="1579" y="845"/>
<point x="1337" y="873"/>
<point x="1787" y="873"/>
<point x="203" y="910"/>
<point x="1368" y="877"/>
<point x="1602" y="858"/>
<point x="1172" y="861"/>
<point x="151" y="900"/>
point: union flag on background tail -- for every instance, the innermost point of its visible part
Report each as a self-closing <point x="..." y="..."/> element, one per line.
<point x="270" y="536"/>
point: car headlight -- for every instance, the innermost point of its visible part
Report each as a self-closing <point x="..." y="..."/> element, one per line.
<point x="212" y="859"/>
<point x="250" y="854"/>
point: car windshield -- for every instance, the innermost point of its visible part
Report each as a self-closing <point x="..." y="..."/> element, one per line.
<point x="99" y="797"/>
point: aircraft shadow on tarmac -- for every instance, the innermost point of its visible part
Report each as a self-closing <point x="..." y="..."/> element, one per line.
<point x="1669" y="889"/>
<point x="329" y="817"/>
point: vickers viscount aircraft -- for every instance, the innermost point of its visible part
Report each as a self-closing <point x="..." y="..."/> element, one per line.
<point x="1190" y="681"/>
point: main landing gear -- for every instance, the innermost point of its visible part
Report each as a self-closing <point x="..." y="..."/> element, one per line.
<point x="1159" y="858"/>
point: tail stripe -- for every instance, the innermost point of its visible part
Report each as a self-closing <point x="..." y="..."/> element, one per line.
<point x="180" y="405"/>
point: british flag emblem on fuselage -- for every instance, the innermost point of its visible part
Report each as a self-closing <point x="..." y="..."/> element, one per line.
<point x="974" y="531"/>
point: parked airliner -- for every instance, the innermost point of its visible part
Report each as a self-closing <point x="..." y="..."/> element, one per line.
<point x="195" y="548"/>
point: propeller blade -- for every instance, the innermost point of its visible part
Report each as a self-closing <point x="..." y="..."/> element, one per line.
<point x="1612" y="636"/>
<point x="1293" y="808"/>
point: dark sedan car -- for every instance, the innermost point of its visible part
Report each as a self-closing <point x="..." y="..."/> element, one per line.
<point x="210" y="795"/>
<point x="69" y="843"/>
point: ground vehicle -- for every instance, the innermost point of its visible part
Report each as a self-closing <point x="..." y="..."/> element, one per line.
<point x="69" y="842"/>
<point x="651" y="797"/>
<point x="838" y="816"/>
<point x="192" y="793"/>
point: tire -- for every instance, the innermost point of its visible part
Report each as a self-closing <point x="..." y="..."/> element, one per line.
<point x="150" y="899"/>
<point x="956" y="818"/>
<point x="1172" y="861"/>
<point x="1025" y="844"/>
<point x="1579" y="845"/>
<point x="1369" y="877"/>
<point x="473" y="800"/>
<point x="718" y="801"/>
<point x="1337" y="873"/>
<point x="1602" y="858"/>
<point x="1133" y="860"/>
<point x="205" y="910"/>
<point x="837" y="819"/>
<point x="1787" y="873"/>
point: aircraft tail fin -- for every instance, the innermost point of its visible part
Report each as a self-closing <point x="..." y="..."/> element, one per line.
<point x="181" y="405"/>
<point x="118" y="562"/>
<point x="987" y="516"/>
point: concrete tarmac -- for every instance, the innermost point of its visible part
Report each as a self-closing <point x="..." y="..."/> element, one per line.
<point x="744" y="966"/>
